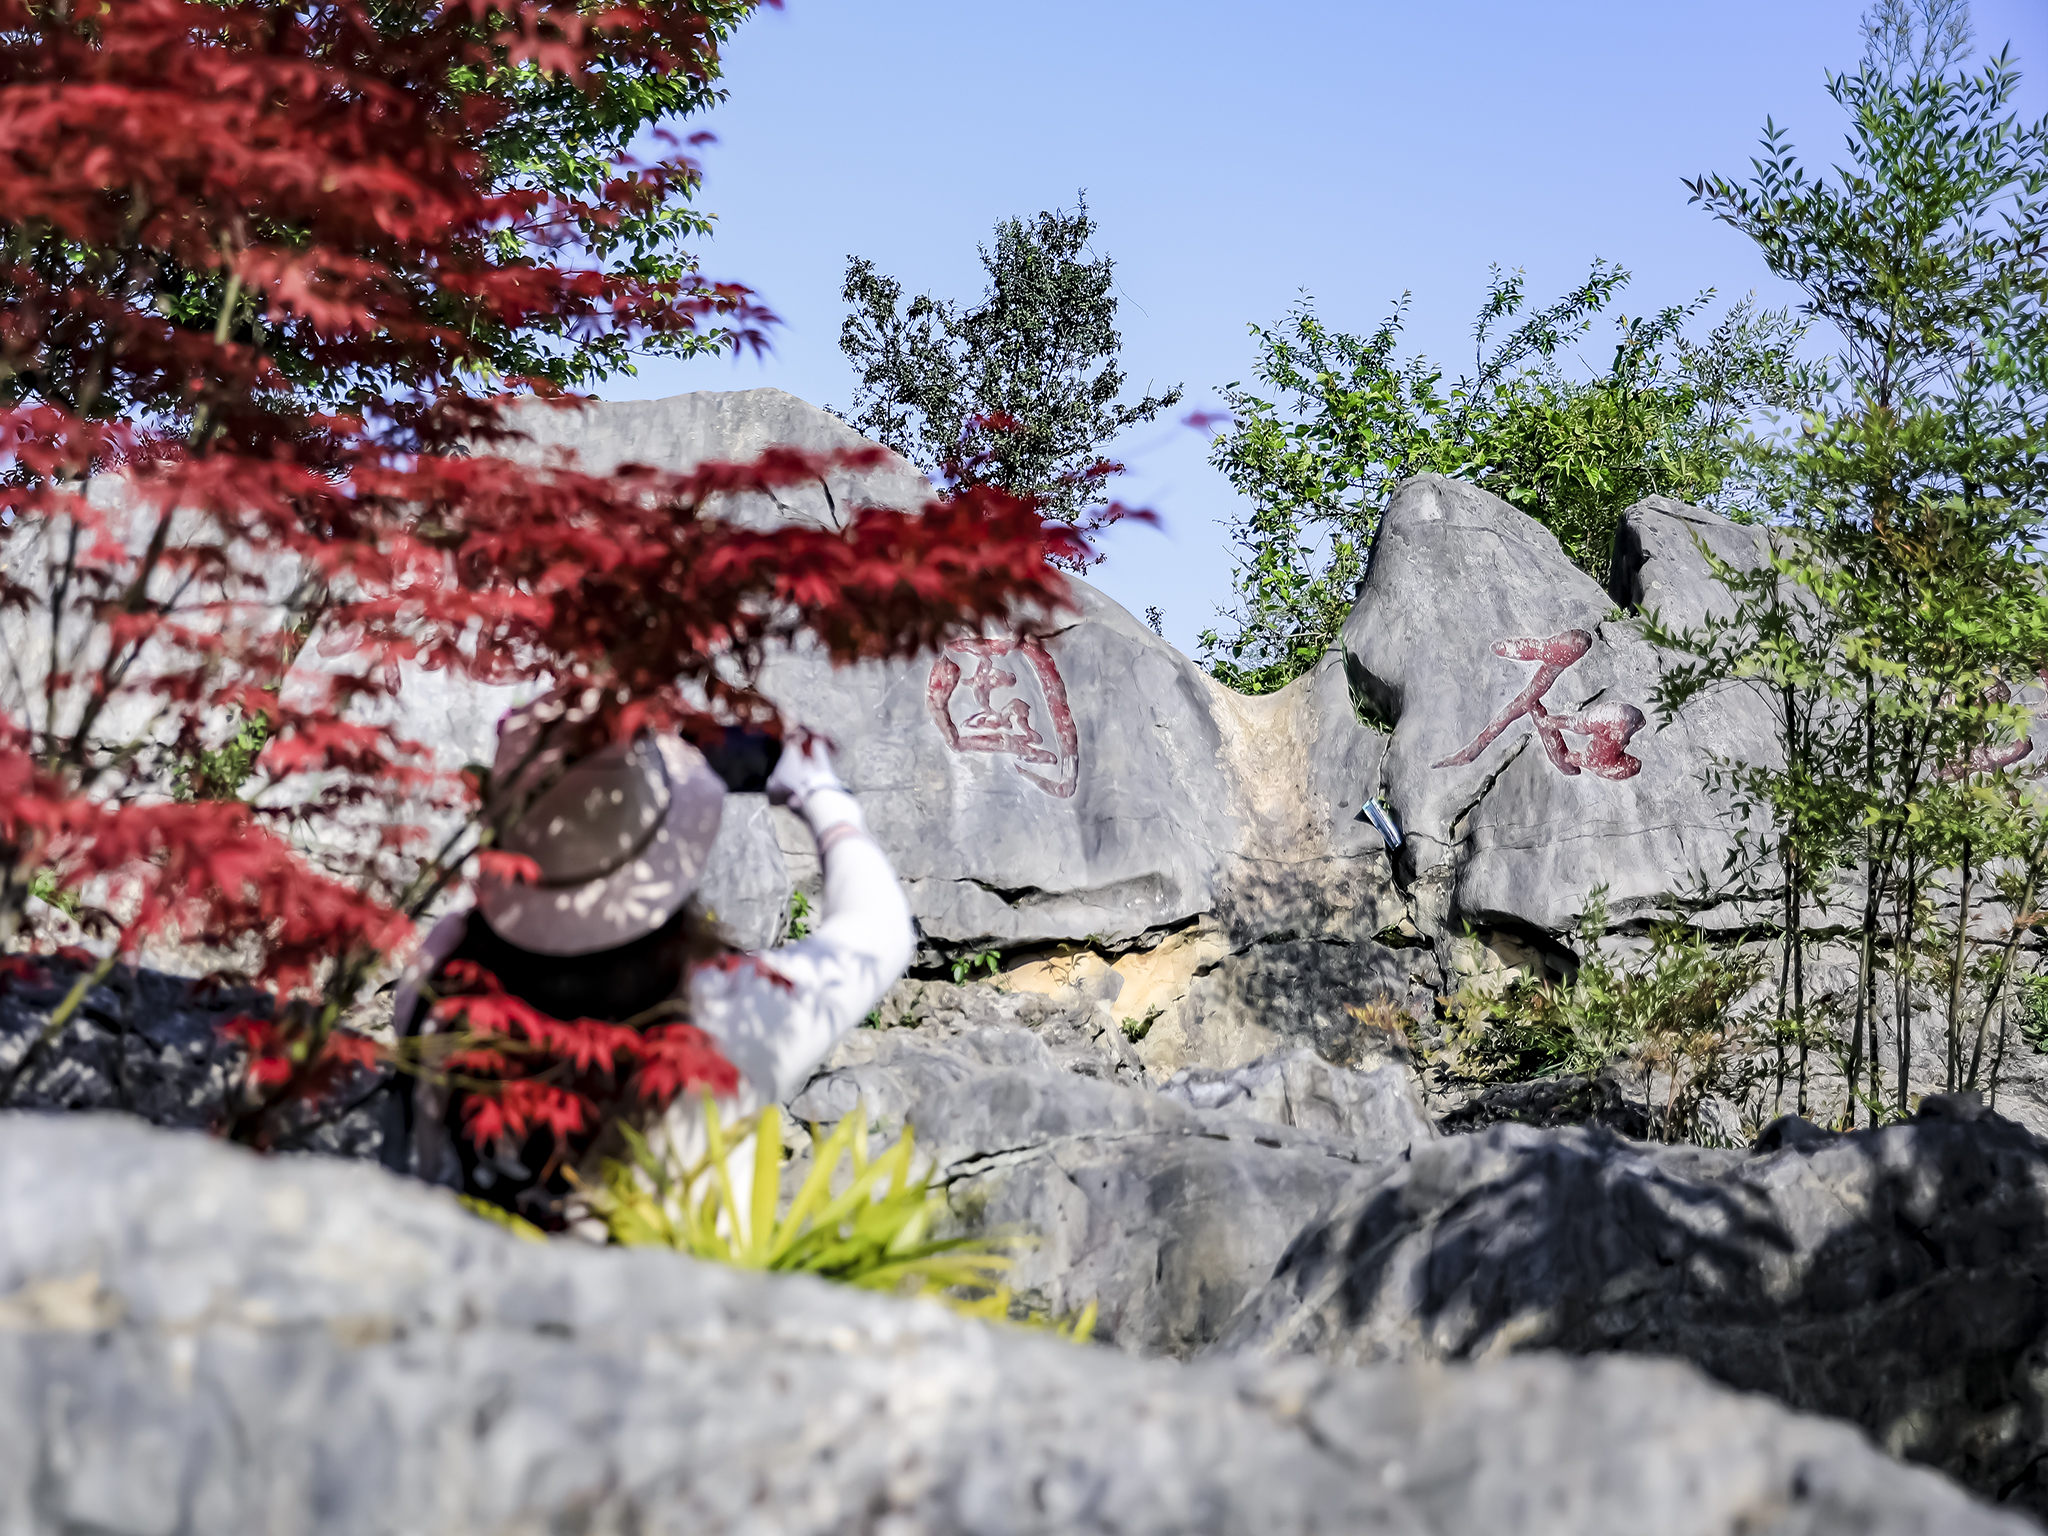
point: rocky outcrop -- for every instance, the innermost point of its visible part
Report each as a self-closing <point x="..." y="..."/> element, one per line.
<point x="153" y="1045"/>
<point x="1165" y="1209"/>
<point x="1897" y="1278"/>
<point x="1526" y="766"/>
<point x="1077" y="784"/>
<point x="193" y="1339"/>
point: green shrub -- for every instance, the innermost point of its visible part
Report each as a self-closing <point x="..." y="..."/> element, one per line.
<point x="873" y="1231"/>
<point x="1666" y="1017"/>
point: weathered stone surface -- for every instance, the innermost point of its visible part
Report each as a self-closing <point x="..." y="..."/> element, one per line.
<point x="1289" y="991"/>
<point x="1516" y="807"/>
<point x="192" y="1339"/>
<point x="1377" y="1112"/>
<point x="1165" y="1215"/>
<point x="1657" y="567"/>
<point x="151" y="1044"/>
<point x="733" y="426"/>
<point x="746" y="883"/>
<point x="1077" y="1024"/>
<point x="1897" y="1278"/>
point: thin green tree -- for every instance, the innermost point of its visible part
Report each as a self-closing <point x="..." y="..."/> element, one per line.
<point x="1021" y="390"/>
<point x="1911" y="556"/>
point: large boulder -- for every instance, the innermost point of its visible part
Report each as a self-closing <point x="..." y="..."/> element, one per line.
<point x="195" y="1339"/>
<point x="1897" y="1278"/>
<point x="1164" y="1209"/>
<point x="1526" y="766"/>
<point x="1079" y="783"/>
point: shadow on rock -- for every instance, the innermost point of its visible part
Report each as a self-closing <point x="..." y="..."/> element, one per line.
<point x="1549" y="1103"/>
<point x="1165" y="1209"/>
<point x="151" y="1044"/>
<point x="1897" y="1278"/>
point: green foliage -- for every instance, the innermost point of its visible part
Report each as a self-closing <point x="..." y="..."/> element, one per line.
<point x="1137" y="1029"/>
<point x="1666" y="1015"/>
<point x="872" y="1231"/>
<point x="988" y="962"/>
<point x="222" y="773"/>
<point x="1019" y="390"/>
<point x="2032" y="998"/>
<point x="1350" y="418"/>
<point x="1904" y="603"/>
<point x="43" y="886"/>
<point x="798" y="925"/>
<point x="498" y="1216"/>
<point x="564" y="137"/>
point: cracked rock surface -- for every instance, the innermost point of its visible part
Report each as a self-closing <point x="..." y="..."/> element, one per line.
<point x="1897" y="1278"/>
<point x="1500" y="831"/>
<point x="193" y="1339"/>
<point x="1165" y="1209"/>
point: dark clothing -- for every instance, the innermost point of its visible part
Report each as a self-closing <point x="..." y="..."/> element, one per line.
<point x="614" y="985"/>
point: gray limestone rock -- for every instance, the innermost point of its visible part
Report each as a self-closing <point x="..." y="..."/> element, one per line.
<point x="1525" y="766"/>
<point x="1657" y="567"/>
<point x="1273" y="995"/>
<point x="731" y="426"/>
<point x="1078" y="1026"/>
<point x="746" y="884"/>
<point x="1897" y="1278"/>
<point x="152" y="1044"/>
<point x="1379" y="1111"/>
<point x="1165" y="1215"/>
<point x="195" y="1339"/>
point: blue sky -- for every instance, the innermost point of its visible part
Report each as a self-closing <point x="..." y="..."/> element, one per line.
<point x="1235" y="155"/>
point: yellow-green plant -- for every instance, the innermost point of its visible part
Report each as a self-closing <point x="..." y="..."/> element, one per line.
<point x="874" y="1231"/>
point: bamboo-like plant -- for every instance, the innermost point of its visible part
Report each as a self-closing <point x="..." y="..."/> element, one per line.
<point x="873" y="1231"/>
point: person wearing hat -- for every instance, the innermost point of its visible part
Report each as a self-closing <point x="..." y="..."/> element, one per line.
<point x="608" y="931"/>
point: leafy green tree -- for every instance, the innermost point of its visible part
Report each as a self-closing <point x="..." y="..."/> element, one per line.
<point x="1911" y="560"/>
<point x="1019" y="390"/>
<point x="1668" y="416"/>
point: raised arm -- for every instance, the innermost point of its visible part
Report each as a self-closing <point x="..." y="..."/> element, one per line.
<point x="777" y="1031"/>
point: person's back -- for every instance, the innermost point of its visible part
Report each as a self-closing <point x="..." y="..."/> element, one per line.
<point x="607" y="931"/>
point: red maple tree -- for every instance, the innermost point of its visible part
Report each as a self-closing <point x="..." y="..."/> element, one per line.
<point x="260" y="278"/>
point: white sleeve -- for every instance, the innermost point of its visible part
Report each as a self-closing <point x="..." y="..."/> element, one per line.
<point x="776" y="1032"/>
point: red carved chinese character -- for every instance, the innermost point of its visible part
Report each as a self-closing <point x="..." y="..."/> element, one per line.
<point x="1006" y="728"/>
<point x="1606" y="727"/>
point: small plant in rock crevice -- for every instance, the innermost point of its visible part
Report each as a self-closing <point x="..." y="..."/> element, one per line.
<point x="1664" y="1019"/>
<point x="988" y="962"/>
<point x="2032" y="1011"/>
<point x="798" y="924"/>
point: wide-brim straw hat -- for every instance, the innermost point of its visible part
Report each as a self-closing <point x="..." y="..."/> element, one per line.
<point x="621" y="837"/>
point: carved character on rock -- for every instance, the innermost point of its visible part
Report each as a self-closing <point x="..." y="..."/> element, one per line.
<point x="1008" y="726"/>
<point x="1606" y="727"/>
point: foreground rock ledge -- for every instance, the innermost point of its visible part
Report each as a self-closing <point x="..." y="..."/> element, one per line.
<point x="196" y="1340"/>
